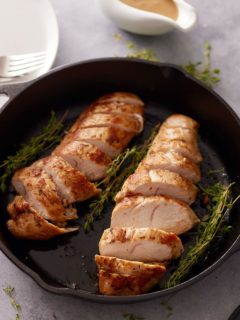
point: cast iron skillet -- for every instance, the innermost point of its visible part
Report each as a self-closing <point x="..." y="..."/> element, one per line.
<point x="65" y="265"/>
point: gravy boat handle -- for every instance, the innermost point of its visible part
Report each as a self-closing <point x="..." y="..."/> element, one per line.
<point x="187" y="16"/>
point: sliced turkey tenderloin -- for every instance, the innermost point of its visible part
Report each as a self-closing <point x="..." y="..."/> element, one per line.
<point x="158" y="212"/>
<point x="85" y="157"/>
<point x="26" y="223"/>
<point x="171" y="161"/>
<point x="158" y="182"/>
<point x="70" y="183"/>
<point x="133" y="123"/>
<point x="140" y="244"/>
<point x="37" y="188"/>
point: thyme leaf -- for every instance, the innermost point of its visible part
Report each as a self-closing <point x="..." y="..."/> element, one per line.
<point x="16" y="306"/>
<point x="50" y="135"/>
<point x="221" y="202"/>
<point x="167" y="308"/>
<point x="145" y="54"/>
<point x="202" y="70"/>
<point x="124" y="165"/>
<point x="132" y="316"/>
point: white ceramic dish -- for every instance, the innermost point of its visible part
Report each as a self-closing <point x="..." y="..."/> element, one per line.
<point x="28" y="26"/>
<point x="147" y="23"/>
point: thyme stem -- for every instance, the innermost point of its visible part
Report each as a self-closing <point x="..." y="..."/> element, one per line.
<point x="202" y="70"/>
<point x="16" y="306"/>
<point x="50" y="135"/>
<point x="221" y="203"/>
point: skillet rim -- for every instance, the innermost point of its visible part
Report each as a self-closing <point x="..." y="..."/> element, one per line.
<point x="117" y="299"/>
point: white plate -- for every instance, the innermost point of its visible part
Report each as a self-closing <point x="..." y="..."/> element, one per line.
<point x="28" y="26"/>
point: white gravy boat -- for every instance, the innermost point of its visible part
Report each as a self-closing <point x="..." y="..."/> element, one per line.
<point x="147" y="23"/>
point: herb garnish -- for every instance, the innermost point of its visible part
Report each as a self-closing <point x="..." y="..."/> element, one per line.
<point x="10" y="293"/>
<point x="136" y="52"/>
<point x="168" y="309"/>
<point x="50" y="135"/>
<point x="220" y="203"/>
<point x="202" y="70"/>
<point x="131" y="316"/>
<point x="146" y="54"/>
<point x="124" y="165"/>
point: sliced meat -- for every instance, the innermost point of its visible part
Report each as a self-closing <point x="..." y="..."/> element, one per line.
<point x="37" y="188"/>
<point x="121" y="266"/>
<point x="171" y="161"/>
<point x="114" y="284"/>
<point x="17" y="206"/>
<point x="140" y="244"/>
<point x="117" y="108"/>
<point x="26" y="223"/>
<point x="190" y="151"/>
<point x="70" y="183"/>
<point x="122" y="277"/>
<point x="133" y="123"/>
<point x="158" y="182"/>
<point x="181" y="121"/>
<point x="109" y="140"/>
<point x="183" y="134"/>
<point x="110" y="104"/>
<point x="87" y="158"/>
<point x="158" y="212"/>
<point x="122" y="97"/>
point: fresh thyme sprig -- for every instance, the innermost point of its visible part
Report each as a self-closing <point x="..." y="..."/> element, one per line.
<point x="50" y="135"/>
<point x="124" y="165"/>
<point x="202" y="70"/>
<point x="221" y="202"/>
<point x="136" y="52"/>
<point x="132" y="316"/>
<point x="16" y="306"/>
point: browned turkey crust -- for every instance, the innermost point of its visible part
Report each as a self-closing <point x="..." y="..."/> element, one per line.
<point x="70" y="183"/>
<point x="187" y="150"/>
<point x="181" y="121"/>
<point x="171" y="161"/>
<point x="85" y="157"/>
<point x="115" y="284"/>
<point x="26" y="223"/>
<point x="140" y="244"/>
<point x="121" y="266"/>
<point x="37" y="188"/>
<point x="122" y="97"/>
<point x="158" y="182"/>
<point x="132" y="123"/>
<point x="109" y="140"/>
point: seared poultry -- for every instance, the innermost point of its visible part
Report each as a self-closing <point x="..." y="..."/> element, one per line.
<point x="140" y="244"/>
<point x="120" y="277"/>
<point x="71" y="184"/>
<point x="159" y="212"/>
<point x="50" y="185"/>
<point x="158" y="182"/>
<point x="85" y="157"/>
<point x="171" y="161"/>
<point x="152" y="209"/>
<point x="26" y="223"/>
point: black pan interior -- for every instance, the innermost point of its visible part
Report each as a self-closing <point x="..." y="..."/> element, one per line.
<point x="68" y="262"/>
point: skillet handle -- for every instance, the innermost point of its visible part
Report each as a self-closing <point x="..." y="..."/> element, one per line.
<point x="8" y="92"/>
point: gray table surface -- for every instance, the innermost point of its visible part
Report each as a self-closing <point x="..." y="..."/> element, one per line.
<point x="85" y="33"/>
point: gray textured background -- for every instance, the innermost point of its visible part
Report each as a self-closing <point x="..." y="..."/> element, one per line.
<point x="85" y="33"/>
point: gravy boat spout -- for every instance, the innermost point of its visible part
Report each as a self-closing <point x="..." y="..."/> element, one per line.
<point x="148" y="23"/>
